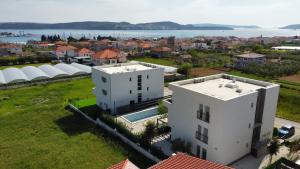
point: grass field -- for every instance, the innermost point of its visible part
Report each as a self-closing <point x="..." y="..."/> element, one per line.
<point x="20" y="66"/>
<point x="160" y="61"/>
<point x="37" y="132"/>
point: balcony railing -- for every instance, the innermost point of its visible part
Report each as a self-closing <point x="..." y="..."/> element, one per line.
<point x="201" y="137"/>
<point x="203" y="116"/>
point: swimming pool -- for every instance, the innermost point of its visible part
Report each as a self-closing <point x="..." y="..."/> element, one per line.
<point x="140" y="115"/>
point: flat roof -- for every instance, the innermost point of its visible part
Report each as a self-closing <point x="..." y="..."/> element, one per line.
<point x="222" y="86"/>
<point x="287" y="47"/>
<point x="124" y="68"/>
<point x="251" y="55"/>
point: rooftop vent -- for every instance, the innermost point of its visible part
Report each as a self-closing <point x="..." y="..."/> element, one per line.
<point x="231" y="85"/>
<point x="239" y="90"/>
<point x="220" y="85"/>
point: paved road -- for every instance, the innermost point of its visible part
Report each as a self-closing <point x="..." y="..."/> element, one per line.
<point x="281" y="122"/>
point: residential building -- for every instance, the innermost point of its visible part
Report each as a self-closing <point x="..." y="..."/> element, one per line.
<point x="63" y="52"/>
<point x="125" y="84"/>
<point x="295" y="48"/>
<point x="224" y="117"/>
<point x="109" y="56"/>
<point x="177" y="161"/>
<point x="10" y="49"/>
<point x="126" y="164"/>
<point x="248" y="58"/>
<point x="84" y="52"/>
<point x="160" y="51"/>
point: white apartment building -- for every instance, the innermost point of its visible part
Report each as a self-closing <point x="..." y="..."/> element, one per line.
<point x="224" y="117"/>
<point x="128" y="83"/>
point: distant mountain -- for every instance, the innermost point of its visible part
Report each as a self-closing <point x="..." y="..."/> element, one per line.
<point x="89" y="25"/>
<point x="295" y="26"/>
<point x="229" y="26"/>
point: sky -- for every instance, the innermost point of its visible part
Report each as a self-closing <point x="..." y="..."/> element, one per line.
<point x="264" y="13"/>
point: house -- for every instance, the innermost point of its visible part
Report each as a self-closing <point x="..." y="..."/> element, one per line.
<point x="126" y="84"/>
<point x="224" y="117"/>
<point x="293" y="48"/>
<point x="177" y="161"/>
<point x="248" y="58"/>
<point x="103" y="44"/>
<point x="84" y="52"/>
<point x="10" y="49"/>
<point x="126" y="164"/>
<point x="63" y="52"/>
<point x="160" y="51"/>
<point x="81" y="44"/>
<point x="109" y="56"/>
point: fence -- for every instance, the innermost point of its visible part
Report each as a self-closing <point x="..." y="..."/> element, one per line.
<point x="117" y="134"/>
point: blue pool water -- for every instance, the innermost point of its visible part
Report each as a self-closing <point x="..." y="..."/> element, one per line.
<point x="133" y="117"/>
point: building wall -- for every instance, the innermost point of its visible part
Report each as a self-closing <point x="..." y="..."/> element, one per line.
<point x="270" y="109"/>
<point x="231" y="122"/>
<point x="118" y="87"/>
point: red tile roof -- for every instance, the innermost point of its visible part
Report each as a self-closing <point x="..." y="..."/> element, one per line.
<point x="64" y="48"/>
<point x="84" y="51"/>
<point x="161" y="49"/>
<point x="183" y="161"/>
<point x="107" y="54"/>
<point x="126" y="164"/>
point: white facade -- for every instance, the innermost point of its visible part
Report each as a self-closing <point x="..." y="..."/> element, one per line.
<point x="125" y="84"/>
<point x="237" y="110"/>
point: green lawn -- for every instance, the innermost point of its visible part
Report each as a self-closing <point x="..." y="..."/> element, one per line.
<point x="20" y="66"/>
<point x="160" y="61"/>
<point x="38" y="132"/>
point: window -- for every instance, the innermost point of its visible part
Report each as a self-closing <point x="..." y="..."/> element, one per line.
<point x="198" y="150"/>
<point x="130" y="79"/>
<point x="147" y="76"/>
<point x="139" y="97"/>
<point x="147" y="88"/>
<point x="103" y="79"/>
<point x="130" y="91"/>
<point x="207" y="115"/>
<point x="200" y="112"/>
<point x="205" y="136"/>
<point x="139" y="82"/>
<point x="104" y="92"/>
<point x="252" y="105"/>
<point x="204" y="152"/>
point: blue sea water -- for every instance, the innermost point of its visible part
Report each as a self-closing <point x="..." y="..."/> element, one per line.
<point x="64" y="33"/>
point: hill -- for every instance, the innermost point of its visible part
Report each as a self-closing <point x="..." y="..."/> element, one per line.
<point x="295" y="26"/>
<point x="90" y="25"/>
<point x="229" y="26"/>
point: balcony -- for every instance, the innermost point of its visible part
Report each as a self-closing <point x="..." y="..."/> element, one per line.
<point x="203" y="116"/>
<point x="201" y="137"/>
<point x="167" y="102"/>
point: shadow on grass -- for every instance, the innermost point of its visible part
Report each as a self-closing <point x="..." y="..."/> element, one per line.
<point x="74" y="124"/>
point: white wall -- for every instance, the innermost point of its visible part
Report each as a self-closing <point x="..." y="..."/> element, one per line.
<point x="118" y="87"/>
<point x="231" y="123"/>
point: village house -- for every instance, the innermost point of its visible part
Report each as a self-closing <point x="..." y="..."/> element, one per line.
<point x="103" y="44"/>
<point x="160" y="51"/>
<point x="248" y="58"/>
<point x="63" y="52"/>
<point x="109" y="56"/>
<point x="10" y="49"/>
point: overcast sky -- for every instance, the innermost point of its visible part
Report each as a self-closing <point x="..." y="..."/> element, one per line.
<point x="266" y="13"/>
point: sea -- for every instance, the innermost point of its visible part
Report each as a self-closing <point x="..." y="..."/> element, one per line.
<point x="33" y="34"/>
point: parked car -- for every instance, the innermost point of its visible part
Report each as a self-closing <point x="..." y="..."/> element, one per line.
<point x="286" y="131"/>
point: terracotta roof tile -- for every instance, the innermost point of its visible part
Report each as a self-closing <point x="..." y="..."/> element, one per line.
<point x="107" y="54"/>
<point x="126" y="164"/>
<point x="183" y="161"/>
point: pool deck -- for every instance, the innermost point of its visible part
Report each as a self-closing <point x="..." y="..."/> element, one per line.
<point x="138" y="126"/>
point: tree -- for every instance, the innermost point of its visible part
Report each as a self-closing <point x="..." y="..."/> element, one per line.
<point x="294" y="147"/>
<point x="148" y="133"/>
<point x="183" y="69"/>
<point x="162" y="110"/>
<point x="273" y="149"/>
